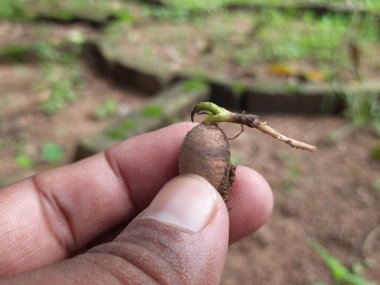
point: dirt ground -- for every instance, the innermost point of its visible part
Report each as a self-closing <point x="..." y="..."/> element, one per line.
<point x="328" y="196"/>
<point x="24" y="128"/>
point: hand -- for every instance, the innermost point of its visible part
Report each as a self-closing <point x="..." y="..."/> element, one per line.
<point x="169" y="230"/>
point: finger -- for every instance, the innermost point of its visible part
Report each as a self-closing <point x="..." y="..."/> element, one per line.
<point x="51" y="216"/>
<point x="45" y="218"/>
<point x="249" y="207"/>
<point x="181" y="238"/>
<point x="250" y="203"/>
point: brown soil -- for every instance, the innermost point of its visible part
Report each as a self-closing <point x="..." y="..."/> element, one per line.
<point x="329" y="196"/>
<point x="24" y="128"/>
<point x="332" y="200"/>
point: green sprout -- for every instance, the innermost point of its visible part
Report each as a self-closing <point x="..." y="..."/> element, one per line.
<point x="105" y="110"/>
<point x="52" y="152"/>
<point x="153" y="111"/>
<point x="24" y="161"/>
<point x="340" y="273"/>
<point x="216" y="114"/>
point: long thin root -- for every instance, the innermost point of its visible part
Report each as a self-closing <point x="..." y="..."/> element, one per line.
<point x="265" y="128"/>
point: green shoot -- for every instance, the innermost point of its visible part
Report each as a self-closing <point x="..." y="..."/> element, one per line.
<point x="61" y="95"/>
<point x="340" y="273"/>
<point x="195" y="84"/>
<point x="364" y="109"/>
<point x="61" y="76"/>
<point x="153" y="111"/>
<point x="24" y="161"/>
<point x="105" y="110"/>
<point x="52" y="152"/>
<point x="216" y="114"/>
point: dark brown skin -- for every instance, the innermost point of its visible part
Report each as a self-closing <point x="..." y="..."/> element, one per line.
<point x="52" y="216"/>
<point x="205" y="151"/>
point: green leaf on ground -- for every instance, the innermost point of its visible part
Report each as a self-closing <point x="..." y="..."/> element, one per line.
<point x="106" y="109"/>
<point x="52" y="152"/>
<point x="340" y="273"/>
<point x="195" y="84"/>
<point x="24" y="161"/>
<point x="153" y="111"/>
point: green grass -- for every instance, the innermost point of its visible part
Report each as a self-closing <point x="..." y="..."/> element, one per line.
<point x="121" y="130"/>
<point x="105" y="110"/>
<point x="24" y="161"/>
<point x="96" y="10"/>
<point x="63" y="86"/>
<point x="153" y="111"/>
<point x="62" y="94"/>
<point x="40" y="50"/>
<point x="15" y="9"/>
<point x="371" y="5"/>
<point x="238" y="88"/>
<point x="61" y="76"/>
<point x="363" y="109"/>
<point x="196" y="4"/>
<point x="306" y="37"/>
<point x="52" y="152"/>
<point x="100" y="10"/>
<point x="195" y="84"/>
<point x="341" y="274"/>
<point x="16" y="53"/>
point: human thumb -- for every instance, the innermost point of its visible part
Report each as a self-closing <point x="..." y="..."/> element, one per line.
<point x="181" y="238"/>
<point x="183" y="234"/>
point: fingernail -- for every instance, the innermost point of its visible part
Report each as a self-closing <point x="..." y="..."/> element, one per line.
<point x="187" y="201"/>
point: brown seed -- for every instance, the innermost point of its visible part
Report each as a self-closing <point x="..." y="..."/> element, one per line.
<point x="205" y="151"/>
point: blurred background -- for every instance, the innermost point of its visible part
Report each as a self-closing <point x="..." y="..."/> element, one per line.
<point x="79" y="76"/>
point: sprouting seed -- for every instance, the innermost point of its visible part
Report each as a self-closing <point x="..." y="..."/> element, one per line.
<point x="205" y="150"/>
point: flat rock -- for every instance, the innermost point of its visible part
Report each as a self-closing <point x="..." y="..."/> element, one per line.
<point x="167" y="51"/>
<point x="90" y="11"/>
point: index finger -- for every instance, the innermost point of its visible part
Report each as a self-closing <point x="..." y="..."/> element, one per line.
<point x="47" y="217"/>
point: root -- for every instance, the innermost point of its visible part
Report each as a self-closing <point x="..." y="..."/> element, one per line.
<point x="265" y="128"/>
<point x="236" y="136"/>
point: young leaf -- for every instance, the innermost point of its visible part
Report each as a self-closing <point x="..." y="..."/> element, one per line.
<point x="339" y="271"/>
<point x="105" y="110"/>
<point x="24" y="161"/>
<point x="52" y="152"/>
<point x="153" y="111"/>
